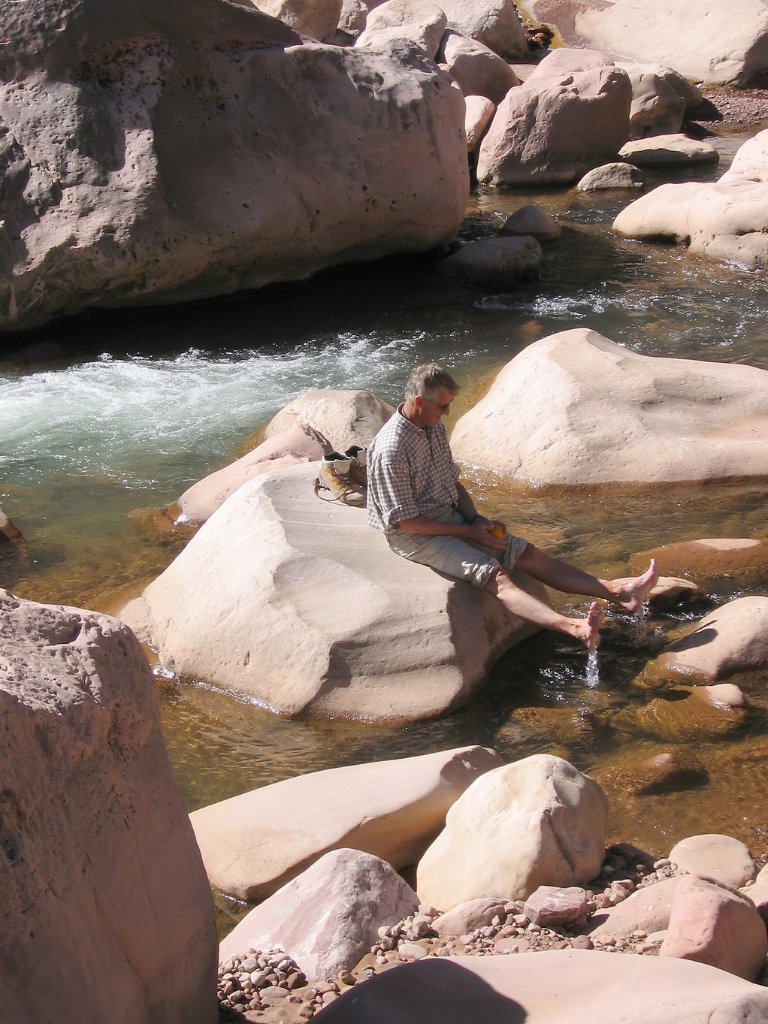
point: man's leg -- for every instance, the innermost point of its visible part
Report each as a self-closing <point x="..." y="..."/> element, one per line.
<point x="630" y="594"/>
<point x="527" y="607"/>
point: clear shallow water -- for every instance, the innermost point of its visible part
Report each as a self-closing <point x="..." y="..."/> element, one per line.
<point x="137" y="406"/>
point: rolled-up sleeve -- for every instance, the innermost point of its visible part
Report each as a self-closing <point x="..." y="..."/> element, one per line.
<point x="389" y="482"/>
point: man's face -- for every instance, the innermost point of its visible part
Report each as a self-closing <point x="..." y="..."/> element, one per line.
<point x="435" y="407"/>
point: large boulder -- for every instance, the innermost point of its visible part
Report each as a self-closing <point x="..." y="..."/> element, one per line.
<point x="660" y="98"/>
<point x="724" y="220"/>
<point x="494" y="23"/>
<point x="256" y="842"/>
<point x="495" y="264"/>
<point x="575" y="408"/>
<point x="552" y="987"/>
<point x="298" y="604"/>
<point x="316" y="18"/>
<point x="343" y="418"/>
<point x="103" y="886"/>
<point x="695" y="37"/>
<point x="418" y="21"/>
<point x="476" y="68"/>
<point x="536" y="822"/>
<point x="569" y="115"/>
<point x="328" y="918"/>
<point x="122" y="119"/>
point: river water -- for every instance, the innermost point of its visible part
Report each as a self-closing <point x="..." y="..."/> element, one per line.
<point x="133" y="407"/>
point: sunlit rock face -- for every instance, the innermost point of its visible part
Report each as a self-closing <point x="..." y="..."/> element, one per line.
<point x="153" y="153"/>
<point x="102" y="880"/>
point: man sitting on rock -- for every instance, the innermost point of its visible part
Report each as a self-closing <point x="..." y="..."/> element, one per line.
<point x="415" y="498"/>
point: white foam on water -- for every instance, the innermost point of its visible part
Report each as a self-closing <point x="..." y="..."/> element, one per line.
<point x="134" y="419"/>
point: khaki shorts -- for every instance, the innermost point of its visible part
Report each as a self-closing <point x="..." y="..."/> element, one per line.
<point x="461" y="559"/>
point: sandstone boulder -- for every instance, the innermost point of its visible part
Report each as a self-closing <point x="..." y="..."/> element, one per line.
<point x="613" y="175"/>
<point x="476" y="68"/>
<point x="298" y="604"/>
<point x="494" y="23"/>
<point x="327" y="919"/>
<point x="692" y="36"/>
<point x="122" y="119"/>
<point x="575" y="408"/>
<point x="552" y="905"/>
<point x="102" y="882"/>
<point x="256" y="842"/>
<point x="552" y="986"/>
<point x="467" y="916"/>
<point x="479" y="114"/>
<point x="495" y="264"/>
<point x="724" y="220"/>
<point x="733" y="638"/>
<point x="316" y="18"/>
<point x="419" y="21"/>
<point x="679" y="716"/>
<point x="536" y="822"/>
<point x="660" y="98"/>
<point x="532" y="220"/>
<point x="353" y="16"/>
<point x="343" y="418"/>
<point x="672" y="592"/>
<point x="721" y="858"/>
<point x="290" y="447"/>
<point x="716" y="926"/>
<point x="668" y="150"/>
<point x="569" y="115"/>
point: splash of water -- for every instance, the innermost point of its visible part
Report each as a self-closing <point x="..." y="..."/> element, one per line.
<point x="593" y="670"/>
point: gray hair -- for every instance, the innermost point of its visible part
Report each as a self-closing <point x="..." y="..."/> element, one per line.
<point x="427" y="379"/>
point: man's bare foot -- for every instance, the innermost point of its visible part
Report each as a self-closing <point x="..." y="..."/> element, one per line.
<point x="588" y="629"/>
<point x="635" y="591"/>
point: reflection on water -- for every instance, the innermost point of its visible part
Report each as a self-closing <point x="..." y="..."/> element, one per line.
<point x="137" y="406"/>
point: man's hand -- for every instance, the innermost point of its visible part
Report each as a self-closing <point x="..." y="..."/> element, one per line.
<point x="481" y="534"/>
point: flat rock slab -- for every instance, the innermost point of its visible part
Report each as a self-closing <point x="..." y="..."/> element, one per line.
<point x="550" y="988"/>
<point x="299" y="605"/>
<point x="256" y="842"/>
<point x="575" y="408"/>
<point x="663" y="150"/>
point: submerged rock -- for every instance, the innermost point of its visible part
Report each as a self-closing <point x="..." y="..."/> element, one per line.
<point x="709" y="558"/>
